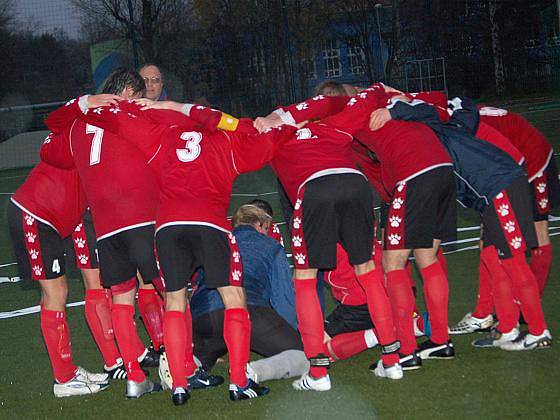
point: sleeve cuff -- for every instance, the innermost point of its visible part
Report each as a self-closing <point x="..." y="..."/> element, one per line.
<point x="186" y="109"/>
<point x="83" y="103"/>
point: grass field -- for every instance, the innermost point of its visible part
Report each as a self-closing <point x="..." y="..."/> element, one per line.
<point x="486" y="384"/>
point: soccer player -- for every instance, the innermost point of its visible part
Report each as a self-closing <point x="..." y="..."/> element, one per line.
<point x="122" y="193"/>
<point x="42" y="213"/>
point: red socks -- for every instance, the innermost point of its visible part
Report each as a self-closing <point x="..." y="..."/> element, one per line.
<point x="127" y="339"/>
<point x="502" y="290"/>
<point x="346" y="345"/>
<point x="98" y="317"/>
<point x="380" y="311"/>
<point x="310" y="321"/>
<point x="442" y="261"/>
<point x="151" y="310"/>
<point x="541" y="259"/>
<point x="484" y="302"/>
<point x="402" y="305"/>
<point x="176" y="343"/>
<point x="527" y="292"/>
<point x="190" y="364"/>
<point x="237" y="335"/>
<point x="57" y="339"/>
<point x="436" y="293"/>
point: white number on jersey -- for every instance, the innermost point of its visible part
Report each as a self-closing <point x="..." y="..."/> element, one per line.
<point x="56" y="266"/>
<point x="95" y="153"/>
<point x="192" y="146"/>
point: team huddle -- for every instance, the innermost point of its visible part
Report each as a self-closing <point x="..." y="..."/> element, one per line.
<point x="142" y="187"/>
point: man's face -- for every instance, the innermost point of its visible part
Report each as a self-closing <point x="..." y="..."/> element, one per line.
<point x="154" y="82"/>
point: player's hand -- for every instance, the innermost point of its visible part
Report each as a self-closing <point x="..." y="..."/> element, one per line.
<point x="103" y="99"/>
<point x="264" y="123"/>
<point x="146" y="103"/>
<point x="379" y="118"/>
<point x="389" y="89"/>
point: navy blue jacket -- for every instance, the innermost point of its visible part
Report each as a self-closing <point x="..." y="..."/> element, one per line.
<point x="481" y="169"/>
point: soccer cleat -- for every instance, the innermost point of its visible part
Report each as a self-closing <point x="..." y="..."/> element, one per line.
<point x="470" y="324"/>
<point x="77" y="386"/>
<point x="391" y="372"/>
<point x="527" y="341"/>
<point x="409" y="361"/>
<point x="137" y="389"/>
<point x="180" y="396"/>
<point x="117" y="371"/>
<point x="95" y="378"/>
<point x="150" y="358"/>
<point x="430" y="350"/>
<point x="251" y="390"/>
<point x="202" y="379"/>
<point x="309" y="383"/>
<point x="496" y="339"/>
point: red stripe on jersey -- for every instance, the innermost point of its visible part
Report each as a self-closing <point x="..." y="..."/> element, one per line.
<point x="508" y="222"/>
<point x="31" y="236"/>
<point x="274" y="233"/>
<point x="540" y="184"/>
<point x="81" y="246"/>
<point x="299" y="247"/>
<point x="235" y="264"/>
<point x="394" y="231"/>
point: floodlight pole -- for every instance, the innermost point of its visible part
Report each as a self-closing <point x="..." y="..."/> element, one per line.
<point x="377" y="7"/>
<point x="288" y="50"/>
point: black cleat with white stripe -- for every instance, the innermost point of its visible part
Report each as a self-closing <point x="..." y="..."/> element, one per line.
<point x="430" y="350"/>
<point x="252" y="390"/>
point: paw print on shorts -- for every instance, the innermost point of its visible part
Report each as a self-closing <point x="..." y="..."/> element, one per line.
<point x="79" y="228"/>
<point x="302" y="106"/>
<point x="516" y="242"/>
<point x="503" y="210"/>
<point x="510" y="226"/>
<point x="297" y="241"/>
<point x="543" y="203"/>
<point x="500" y="196"/>
<point x="395" y="221"/>
<point x="236" y="257"/>
<point x="300" y="258"/>
<point x="394" y="239"/>
<point x="48" y="139"/>
<point x="83" y="259"/>
<point x="298" y="204"/>
<point x="29" y="220"/>
<point x="541" y="187"/>
<point x="397" y="203"/>
<point x="236" y="275"/>
<point x="297" y="222"/>
<point x="276" y="229"/>
<point x="37" y="270"/>
<point x="30" y="237"/>
<point x="232" y="238"/>
<point x="34" y="254"/>
<point x="80" y="243"/>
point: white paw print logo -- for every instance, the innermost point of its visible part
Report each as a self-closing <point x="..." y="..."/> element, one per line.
<point x="79" y="228"/>
<point x="516" y="242"/>
<point x="318" y="97"/>
<point x="80" y="243"/>
<point x="351" y="102"/>
<point x="541" y="187"/>
<point x="397" y="203"/>
<point x="83" y="258"/>
<point x="232" y="238"/>
<point x="300" y="258"/>
<point x="236" y="275"/>
<point x="504" y="210"/>
<point x="394" y="239"/>
<point x="510" y="226"/>
<point x="301" y="106"/>
<point x="236" y="257"/>
<point x="29" y="220"/>
<point x="297" y="241"/>
<point x="395" y="221"/>
<point x="70" y="102"/>
<point x="48" y="139"/>
<point x="543" y="202"/>
<point x="30" y="237"/>
<point x="363" y="95"/>
<point x="298" y="204"/>
<point x="500" y="196"/>
<point x="115" y="110"/>
<point x="276" y="229"/>
<point x="400" y="188"/>
<point x="297" y="223"/>
<point x="34" y="254"/>
<point x="98" y="111"/>
<point x="37" y="270"/>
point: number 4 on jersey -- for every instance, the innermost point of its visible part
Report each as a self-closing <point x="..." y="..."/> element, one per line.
<point x="95" y="153"/>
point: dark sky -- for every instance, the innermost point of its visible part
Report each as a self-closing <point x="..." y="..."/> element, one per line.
<point x="45" y="15"/>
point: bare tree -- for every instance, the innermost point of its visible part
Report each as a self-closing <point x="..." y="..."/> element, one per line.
<point x="499" y="75"/>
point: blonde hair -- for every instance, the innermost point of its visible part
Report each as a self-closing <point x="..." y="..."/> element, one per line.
<point x="330" y="88"/>
<point x="251" y="215"/>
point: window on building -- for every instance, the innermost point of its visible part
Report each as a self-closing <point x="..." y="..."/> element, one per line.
<point x="356" y="57"/>
<point x="309" y="68"/>
<point x="331" y="58"/>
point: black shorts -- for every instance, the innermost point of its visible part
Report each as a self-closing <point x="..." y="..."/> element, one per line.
<point x="348" y="318"/>
<point x="184" y="248"/>
<point x="39" y="249"/>
<point x="383" y="214"/>
<point x="508" y="220"/>
<point x="545" y="192"/>
<point x="84" y="244"/>
<point x="422" y="209"/>
<point x="123" y="254"/>
<point x="331" y="209"/>
<point x="270" y="334"/>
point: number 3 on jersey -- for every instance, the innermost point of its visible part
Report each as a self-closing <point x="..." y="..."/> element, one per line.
<point x="95" y="152"/>
<point x="192" y="146"/>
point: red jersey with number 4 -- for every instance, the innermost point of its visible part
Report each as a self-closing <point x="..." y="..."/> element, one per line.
<point x="53" y="196"/>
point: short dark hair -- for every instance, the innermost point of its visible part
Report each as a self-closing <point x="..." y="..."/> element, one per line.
<point x="122" y="78"/>
<point x="263" y="205"/>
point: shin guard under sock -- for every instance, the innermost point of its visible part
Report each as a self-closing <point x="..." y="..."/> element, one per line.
<point x="541" y="259"/>
<point x="485" y="301"/>
<point x="436" y="293"/>
<point x="402" y="305"/>
<point x="57" y="340"/>
<point x="127" y="338"/>
<point x="98" y="317"/>
<point x="176" y="342"/>
<point x="190" y="364"/>
<point x="237" y="335"/>
<point x="150" y="306"/>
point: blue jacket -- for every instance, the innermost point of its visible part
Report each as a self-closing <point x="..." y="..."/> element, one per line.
<point x="267" y="277"/>
<point x="481" y="169"/>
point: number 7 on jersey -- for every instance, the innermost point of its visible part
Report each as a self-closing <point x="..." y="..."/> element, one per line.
<point x="95" y="152"/>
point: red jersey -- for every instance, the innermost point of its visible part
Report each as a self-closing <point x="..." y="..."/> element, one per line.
<point x="53" y="196"/>
<point x="524" y="136"/>
<point x="491" y="135"/>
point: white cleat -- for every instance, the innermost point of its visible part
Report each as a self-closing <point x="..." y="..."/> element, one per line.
<point x="529" y="342"/>
<point x="470" y="324"/>
<point x="77" y="386"/>
<point x="96" y="378"/>
<point x="309" y="383"/>
<point x="391" y="372"/>
<point x="496" y="339"/>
